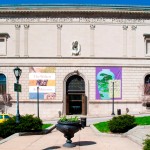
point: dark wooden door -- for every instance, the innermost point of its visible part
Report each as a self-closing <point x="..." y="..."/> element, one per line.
<point x="83" y="104"/>
<point x="75" y="103"/>
<point x="75" y="99"/>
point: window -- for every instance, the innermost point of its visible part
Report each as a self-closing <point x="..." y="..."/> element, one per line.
<point x="2" y="84"/>
<point x="75" y="83"/>
<point x="148" y="47"/>
<point x="3" y="43"/>
<point x="147" y="85"/>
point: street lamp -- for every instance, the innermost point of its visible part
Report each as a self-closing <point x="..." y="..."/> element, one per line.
<point x="113" y="113"/>
<point x="17" y="72"/>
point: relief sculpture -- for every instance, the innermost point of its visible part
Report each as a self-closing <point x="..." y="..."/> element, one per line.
<point x="76" y="48"/>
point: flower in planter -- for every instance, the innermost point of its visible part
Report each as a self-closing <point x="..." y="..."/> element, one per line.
<point x="69" y="119"/>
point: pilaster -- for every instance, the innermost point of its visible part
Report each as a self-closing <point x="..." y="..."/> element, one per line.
<point x="133" y="40"/>
<point x="59" y="27"/>
<point x="17" y="52"/>
<point x="92" y="51"/>
<point x="26" y="29"/>
<point x="125" y="27"/>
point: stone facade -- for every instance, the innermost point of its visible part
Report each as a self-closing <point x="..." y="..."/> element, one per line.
<point x="44" y="38"/>
<point x="132" y="92"/>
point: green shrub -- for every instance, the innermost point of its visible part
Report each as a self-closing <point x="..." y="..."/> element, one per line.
<point x="146" y="144"/>
<point x="121" y="123"/>
<point x="27" y="123"/>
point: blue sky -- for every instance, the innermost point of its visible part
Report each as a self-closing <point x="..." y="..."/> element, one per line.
<point x="87" y="2"/>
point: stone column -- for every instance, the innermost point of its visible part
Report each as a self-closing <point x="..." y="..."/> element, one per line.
<point x="133" y="40"/>
<point x="125" y="41"/>
<point x="26" y="28"/>
<point x="92" y="28"/>
<point x="59" y="27"/>
<point x="17" y="53"/>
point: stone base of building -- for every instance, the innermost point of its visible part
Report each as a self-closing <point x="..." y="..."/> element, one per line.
<point x="53" y="110"/>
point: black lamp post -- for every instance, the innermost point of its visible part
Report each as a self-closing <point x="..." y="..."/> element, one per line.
<point x="17" y="72"/>
<point x="113" y="113"/>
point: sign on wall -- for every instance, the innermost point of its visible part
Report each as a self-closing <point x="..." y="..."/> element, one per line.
<point x="44" y="78"/>
<point x="114" y="88"/>
<point x="104" y="78"/>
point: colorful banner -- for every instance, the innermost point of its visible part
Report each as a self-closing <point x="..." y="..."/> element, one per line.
<point x="44" y="78"/>
<point x="104" y="78"/>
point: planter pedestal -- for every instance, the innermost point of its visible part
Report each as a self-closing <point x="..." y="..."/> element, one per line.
<point x="68" y="129"/>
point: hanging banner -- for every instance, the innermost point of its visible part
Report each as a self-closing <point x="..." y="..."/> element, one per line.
<point x="104" y="77"/>
<point x="44" y="78"/>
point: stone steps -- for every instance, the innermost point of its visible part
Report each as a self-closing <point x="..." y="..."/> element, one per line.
<point x="138" y="134"/>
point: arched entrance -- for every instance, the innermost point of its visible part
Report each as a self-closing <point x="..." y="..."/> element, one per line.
<point x="75" y="96"/>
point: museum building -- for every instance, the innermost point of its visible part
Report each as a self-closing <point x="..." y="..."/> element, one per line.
<point x="76" y="59"/>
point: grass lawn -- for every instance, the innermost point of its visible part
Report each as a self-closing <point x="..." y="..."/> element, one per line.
<point x="103" y="126"/>
<point x="44" y="126"/>
<point x="143" y="120"/>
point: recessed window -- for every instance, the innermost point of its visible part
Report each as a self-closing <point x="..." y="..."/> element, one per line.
<point x="147" y="85"/>
<point x="148" y="47"/>
<point x="3" y="43"/>
<point x="2" y="84"/>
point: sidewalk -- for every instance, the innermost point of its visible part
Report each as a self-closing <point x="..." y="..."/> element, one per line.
<point x="85" y="139"/>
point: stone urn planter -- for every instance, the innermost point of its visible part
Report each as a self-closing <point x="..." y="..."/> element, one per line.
<point x="68" y="128"/>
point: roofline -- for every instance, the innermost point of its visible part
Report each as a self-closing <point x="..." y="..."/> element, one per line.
<point x="83" y="6"/>
<point x="35" y="8"/>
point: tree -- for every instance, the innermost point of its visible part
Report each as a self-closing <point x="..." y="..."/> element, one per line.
<point x="5" y="102"/>
<point x="145" y="97"/>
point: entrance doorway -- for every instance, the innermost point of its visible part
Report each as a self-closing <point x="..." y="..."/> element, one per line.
<point x="75" y="96"/>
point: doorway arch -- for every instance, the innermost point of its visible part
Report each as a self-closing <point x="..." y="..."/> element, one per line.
<point x="75" y="99"/>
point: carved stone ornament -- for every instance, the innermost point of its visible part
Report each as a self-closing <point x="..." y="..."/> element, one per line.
<point x="76" y="48"/>
<point x="59" y="26"/>
<point x="92" y="26"/>
<point x="133" y="27"/>
<point x="17" y="26"/>
<point x="26" y="26"/>
<point x="125" y="27"/>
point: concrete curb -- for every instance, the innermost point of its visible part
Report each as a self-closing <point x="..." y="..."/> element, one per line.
<point x="136" y="128"/>
<point x="105" y="134"/>
<point x="46" y="131"/>
<point x="9" y="138"/>
<point x="127" y="134"/>
<point x="135" y="138"/>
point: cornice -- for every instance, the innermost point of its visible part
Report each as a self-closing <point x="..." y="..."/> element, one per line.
<point x="101" y="10"/>
<point x="73" y="8"/>
<point x="70" y="62"/>
<point x="75" y="12"/>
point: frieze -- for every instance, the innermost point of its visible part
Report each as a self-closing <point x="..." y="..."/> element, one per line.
<point x="73" y="20"/>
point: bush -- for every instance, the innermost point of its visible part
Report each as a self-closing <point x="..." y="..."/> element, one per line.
<point x="27" y="123"/>
<point x="121" y="124"/>
<point x="146" y="144"/>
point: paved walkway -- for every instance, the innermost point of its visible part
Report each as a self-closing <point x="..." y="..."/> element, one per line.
<point x="86" y="139"/>
<point x="138" y="134"/>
